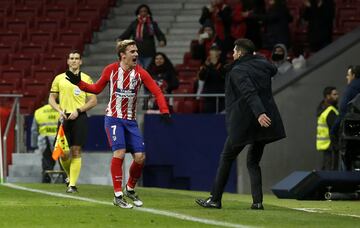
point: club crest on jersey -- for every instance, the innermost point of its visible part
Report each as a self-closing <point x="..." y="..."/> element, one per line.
<point x="133" y="83"/>
<point x="114" y="138"/>
<point x="77" y="91"/>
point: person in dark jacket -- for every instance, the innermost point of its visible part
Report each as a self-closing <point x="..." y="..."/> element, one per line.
<point x="212" y="81"/>
<point x="143" y="30"/>
<point x="252" y="118"/>
<point x="352" y="89"/>
<point x="219" y="14"/>
<point x="163" y="72"/>
<point x="276" y="21"/>
<point x="253" y="24"/>
<point x="320" y="14"/>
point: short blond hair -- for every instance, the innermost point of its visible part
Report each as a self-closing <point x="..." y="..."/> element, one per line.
<point x="121" y="45"/>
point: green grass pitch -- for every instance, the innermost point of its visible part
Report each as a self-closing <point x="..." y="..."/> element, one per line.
<point x="19" y="208"/>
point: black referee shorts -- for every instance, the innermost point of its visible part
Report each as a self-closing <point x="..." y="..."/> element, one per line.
<point x="76" y="130"/>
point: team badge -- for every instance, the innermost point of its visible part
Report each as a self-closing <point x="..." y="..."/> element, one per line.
<point x="77" y="91"/>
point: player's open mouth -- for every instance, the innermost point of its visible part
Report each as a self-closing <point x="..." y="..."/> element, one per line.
<point x="134" y="60"/>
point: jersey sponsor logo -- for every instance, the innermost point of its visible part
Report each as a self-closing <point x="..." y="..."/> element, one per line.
<point x="125" y="93"/>
<point x="77" y="91"/>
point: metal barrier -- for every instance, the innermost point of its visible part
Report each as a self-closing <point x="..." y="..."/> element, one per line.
<point x="15" y="110"/>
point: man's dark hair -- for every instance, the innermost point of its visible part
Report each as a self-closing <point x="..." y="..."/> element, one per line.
<point x="73" y="52"/>
<point x="355" y="70"/>
<point x="245" y="45"/>
<point x="328" y="90"/>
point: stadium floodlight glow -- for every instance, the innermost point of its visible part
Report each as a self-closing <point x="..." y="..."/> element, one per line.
<point x="1" y="158"/>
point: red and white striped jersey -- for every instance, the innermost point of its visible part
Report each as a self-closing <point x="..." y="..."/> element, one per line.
<point x="124" y="87"/>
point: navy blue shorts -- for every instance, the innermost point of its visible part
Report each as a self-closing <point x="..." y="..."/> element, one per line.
<point x="123" y="134"/>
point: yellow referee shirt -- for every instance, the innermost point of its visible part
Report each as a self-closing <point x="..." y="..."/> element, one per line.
<point x="70" y="96"/>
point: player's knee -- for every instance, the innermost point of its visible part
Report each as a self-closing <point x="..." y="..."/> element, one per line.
<point x="139" y="158"/>
<point x="119" y="153"/>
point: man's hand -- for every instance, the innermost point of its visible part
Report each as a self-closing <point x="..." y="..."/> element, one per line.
<point x="264" y="120"/>
<point x="73" y="115"/>
<point x="73" y="78"/>
<point x="165" y="118"/>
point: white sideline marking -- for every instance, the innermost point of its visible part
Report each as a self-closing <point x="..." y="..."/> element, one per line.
<point x="324" y="210"/>
<point x="149" y="210"/>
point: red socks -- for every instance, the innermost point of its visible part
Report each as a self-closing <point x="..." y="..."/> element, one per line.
<point x="116" y="173"/>
<point x="135" y="173"/>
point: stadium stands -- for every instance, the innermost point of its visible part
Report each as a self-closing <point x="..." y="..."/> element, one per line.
<point x="36" y="35"/>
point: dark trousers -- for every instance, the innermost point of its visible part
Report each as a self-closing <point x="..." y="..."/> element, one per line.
<point x="227" y="158"/>
<point x="330" y="160"/>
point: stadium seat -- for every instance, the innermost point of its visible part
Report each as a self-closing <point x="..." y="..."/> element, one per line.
<point x="4" y="58"/>
<point x="41" y="37"/>
<point x="43" y="73"/>
<point x="4" y="11"/>
<point x="25" y="12"/>
<point x="23" y="60"/>
<point x="80" y="25"/>
<point x="49" y="24"/>
<point x="12" y="72"/>
<point x="14" y="83"/>
<point x="10" y="37"/>
<point x="53" y="61"/>
<point x="92" y="14"/>
<point x="18" y="25"/>
<point x="56" y="12"/>
<point x="71" y="36"/>
<point x="62" y="49"/>
<point x="8" y="47"/>
<point x="32" y="48"/>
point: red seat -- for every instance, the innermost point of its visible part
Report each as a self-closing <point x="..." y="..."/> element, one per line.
<point x="61" y="49"/>
<point x="28" y="104"/>
<point x="25" y="12"/>
<point x="19" y="25"/>
<point x="55" y="12"/>
<point x="14" y="83"/>
<point x="71" y="36"/>
<point x="41" y="37"/>
<point x="90" y="13"/>
<point x="42" y="73"/>
<point x="80" y="25"/>
<point x="8" y="47"/>
<point x="4" y="12"/>
<point x="183" y="89"/>
<point x="48" y="24"/>
<point x="350" y="24"/>
<point x="4" y="58"/>
<point x="12" y="72"/>
<point x="23" y="60"/>
<point x="53" y="61"/>
<point x="32" y="48"/>
<point x="36" y="86"/>
<point x="11" y="37"/>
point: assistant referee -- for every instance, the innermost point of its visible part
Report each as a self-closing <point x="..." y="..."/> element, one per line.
<point x="73" y="104"/>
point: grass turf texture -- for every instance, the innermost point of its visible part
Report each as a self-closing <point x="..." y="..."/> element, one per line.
<point x="20" y="208"/>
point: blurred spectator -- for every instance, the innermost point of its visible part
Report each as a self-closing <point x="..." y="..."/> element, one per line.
<point x="279" y="59"/>
<point x="212" y="81"/>
<point x="206" y="39"/>
<point x="298" y="61"/>
<point x="326" y="115"/>
<point x="238" y="17"/>
<point x="276" y="21"/>
<point x="142" y="30"/>
<point x="163" y="72"/>
<point x="219" y="14"/>
<point x="43" y="132"/>
<point x="320" y="16"/>
<point x="253" y="24"/>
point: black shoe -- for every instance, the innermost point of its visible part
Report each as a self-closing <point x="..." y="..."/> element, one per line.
<point x="208" y="203"/>
<point x="257" y="206"/>
<point x="72" y="189"/>
<point x="121" y="202"/>
<point x="133" y="196"/>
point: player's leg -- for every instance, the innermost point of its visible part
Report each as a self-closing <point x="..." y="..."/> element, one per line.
<point x="136" y="143"/>
<point x="115" y="133"/>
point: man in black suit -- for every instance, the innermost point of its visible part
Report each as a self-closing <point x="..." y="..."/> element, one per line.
<point x="252" y="118"/>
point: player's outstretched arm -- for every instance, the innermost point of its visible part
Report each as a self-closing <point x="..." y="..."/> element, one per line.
<point x="95" y="88"/>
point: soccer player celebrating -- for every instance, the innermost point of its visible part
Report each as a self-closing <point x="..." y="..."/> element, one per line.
<point x="125" y="77"/>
